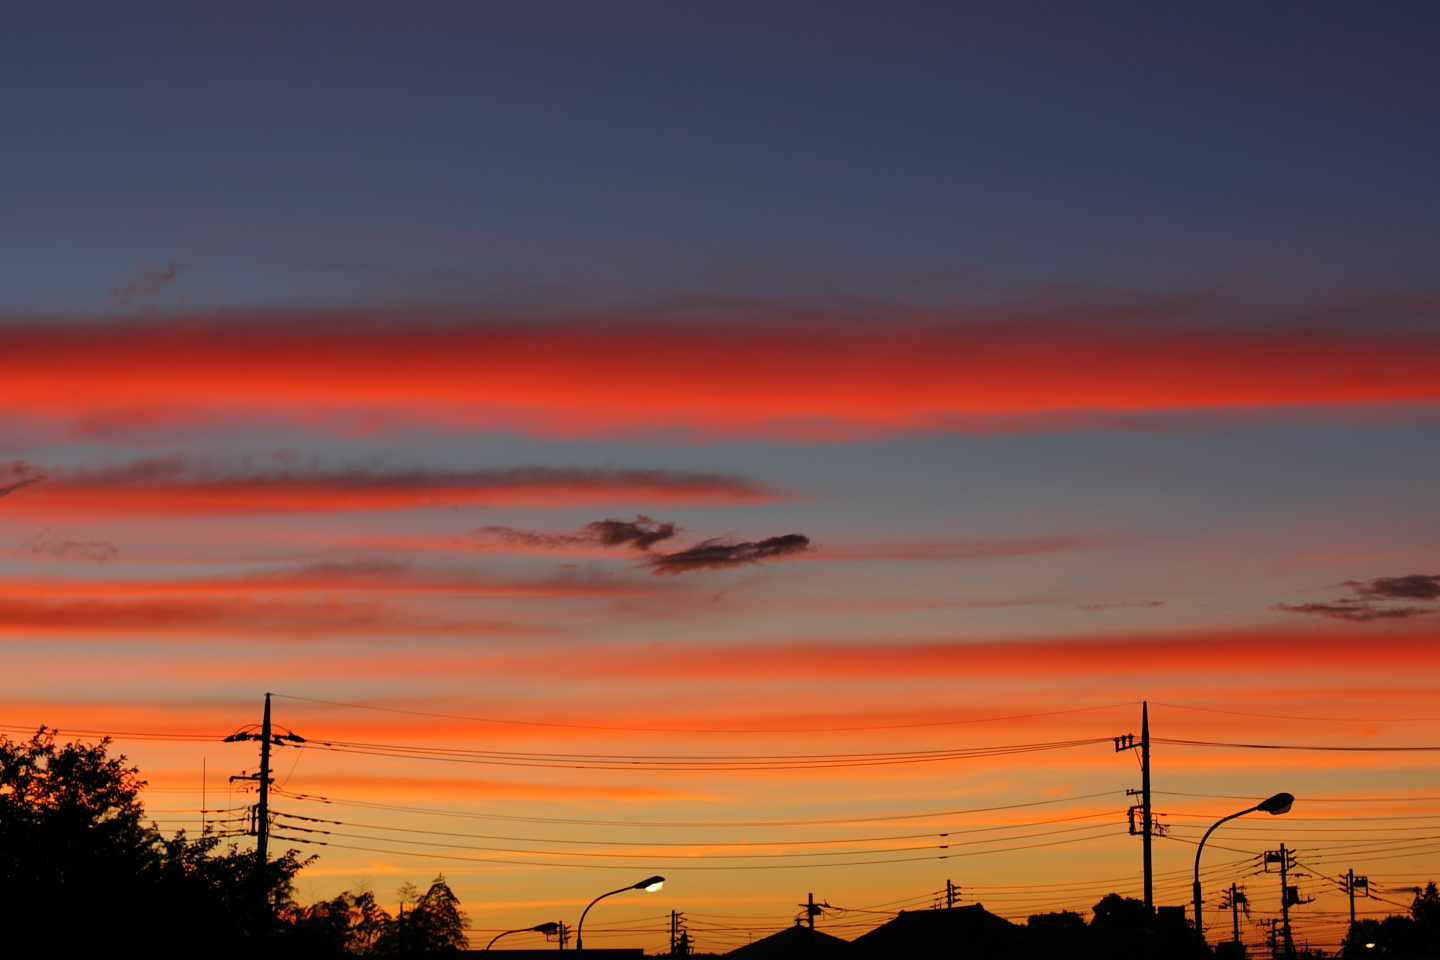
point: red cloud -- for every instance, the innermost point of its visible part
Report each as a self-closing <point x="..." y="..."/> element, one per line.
<point x="366" y="577"/>
<point x="175" y="486"/>
<point x="1218" y="653"/>
<point x="236" y="616"/>
<point x="781" y="375"/>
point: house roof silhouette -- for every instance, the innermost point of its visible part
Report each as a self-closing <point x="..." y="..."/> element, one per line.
<point x="958" y="932"/>
<point x="795" y="943"/>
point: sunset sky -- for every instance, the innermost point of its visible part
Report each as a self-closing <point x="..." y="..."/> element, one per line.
<point x="775" y="446"/>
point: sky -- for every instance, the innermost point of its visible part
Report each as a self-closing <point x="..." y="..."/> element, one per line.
<point x="775" y="446"/>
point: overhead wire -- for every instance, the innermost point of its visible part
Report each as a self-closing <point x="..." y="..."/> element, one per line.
<point x="1278" y="716"/>
<point x="932" y="815"/>
<point x="767" y="866"/>
<point x="953" y="832"/>
<point x="1307" y="798"/>
<point x="699" y="730"/>
<point x="668" y="856"/>
<point x="1425" y="748"/>
<point x="693" y="763"/>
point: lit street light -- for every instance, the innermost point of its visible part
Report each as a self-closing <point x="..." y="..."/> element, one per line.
<point x="1276" y="805"/>
<point x="649" y="886"/>
<point x="545" y="928"/>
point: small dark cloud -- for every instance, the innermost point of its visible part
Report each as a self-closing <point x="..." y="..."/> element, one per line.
<point x="1372" y="600"/>
<point x="143" y="289"/>
<point x="1120" y="606"/>
<point x="642" y="533"/>
<point x="1416" y="586"/>
<point x="531" y="538"/>
<point x="17" y="475"/>
<point x="719" y="554"/>
<point x="1357" y="611"/>
<point x="48" y="545"/>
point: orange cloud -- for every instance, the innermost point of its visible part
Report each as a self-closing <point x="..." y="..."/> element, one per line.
<point x="789" y="375"/>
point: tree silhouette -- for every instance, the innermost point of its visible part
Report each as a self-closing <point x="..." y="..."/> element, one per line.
<point x="70" y="835"/>
<point x="80" y="870"/>
<point x="434" y="923"/>
<point x="352" y="923"/>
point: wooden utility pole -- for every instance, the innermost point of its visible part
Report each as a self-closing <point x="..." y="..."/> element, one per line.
<point x="1353" y="882"/>
<point x="262" y="815"/>
<point x="1147" y="818"/>
<point x="1146" y="831"/>
<point x="679" y="936"/>
<point x="1289" y="896"/>
<point x="1285" y="899"/>
<point x="267" y="737"/>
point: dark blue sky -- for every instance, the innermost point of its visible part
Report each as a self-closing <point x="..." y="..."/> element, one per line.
<point x="347" y="154"/>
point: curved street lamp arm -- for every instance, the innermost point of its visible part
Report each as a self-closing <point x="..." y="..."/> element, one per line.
<point x="580" y="927"/>
<point x="1212" y="830"/>
<point x="499" y="935"/>
<point x="1195" y="889"/>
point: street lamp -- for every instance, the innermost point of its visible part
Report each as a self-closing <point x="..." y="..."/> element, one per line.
<point x="545" y="928"/>
<point x="1276" y="805"/>
<point x="649" y="886"/>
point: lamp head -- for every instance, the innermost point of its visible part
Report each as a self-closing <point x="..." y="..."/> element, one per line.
<point x="651" y="885"/>
<point x="547" y="928"/>
<point x="1278" y="804"/>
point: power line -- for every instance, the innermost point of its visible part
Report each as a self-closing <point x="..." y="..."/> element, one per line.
<point x="1291" y="746"/>
<point x="756" y="730"/>
<point x="1277" y="716"/>
<point x="692" y="764"/>
<point x="768" y="866"/>
<point x="668" y="856"/>
<point x="755" y="843"/>
<point x="114" y="735"/>
<point x="580" y="761"/>
<point x="693" y="823"/>
<point x="1308" y="799"/>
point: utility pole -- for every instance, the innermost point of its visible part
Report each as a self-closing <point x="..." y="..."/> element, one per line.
<point x="1237" y="897"/>
<point x="1147" y="819"/>
<point x="1351" y="882"/>
<point x="810" y="911"/>
<point x="267" y="737"/>
<point x="262" y="836"/>
<point x="1289" y="896"/>
<point x="952" y="895"/>
<point x="564" y="936"/>
<point x="1285" y="900"/>
<point x="1145" y="836"/>
<point x="679" y="936"/>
